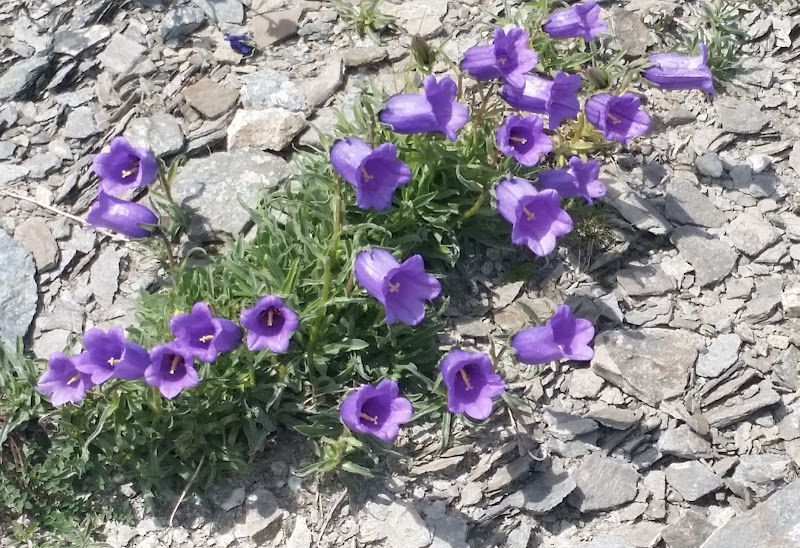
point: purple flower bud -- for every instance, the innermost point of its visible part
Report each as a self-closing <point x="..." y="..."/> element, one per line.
<point x="240" y="43"/>
<point x="270" y="324"/>
<point x="121" y="216"/>
<point x="471" y="383"/>
<point x="618" y="117"/>
<point x="675" y="71"/>
<point x="402" y="288"/>
<point x="124" y="167"/>
<point x="205" y="335"/>
<point x="62" y="381"/>
<point x="376" y="410"/>
<point x="172" y="369"/>
<point x="523" y="139"/>
<point x="556" y="98"/>
<point x="108" y="355"/>
<point x="508" y="57"/>
<point x="375" y="174"/>
<point x="576" y="21"/>
<point x="580" y="180"/>
<point x="562" y="337"/>
<point x="436" y="110"/>
<point x="537" y="217"/>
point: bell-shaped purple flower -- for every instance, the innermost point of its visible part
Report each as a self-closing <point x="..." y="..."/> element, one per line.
<point x="121" y="216"/>
<point x="562" y="337"/>
<point x="618" y="117"/>
<point x="375" y="174"/>
<point x="270" y="324"/>
<point x="240" y="43"/>
<point x="576" y="21"/>
<point x="580" y="180"/>
<point x="62" y="381"/>
<point x="471" y="383"/>
<point x="203" y="334"/>
<point x="376" y="410"/>
<point x="124" y="166"/>
<point x="108" y="355"/>
<point x="557" y="98"/>
<point x="537" y="217"/>
<point x="435" y="110"/>
<point x="676" y="71"/>
<point x="523" y="139"/>
<point x="402" y="288"/>
<point x="508" y="57"/>
<point x="172" y="369"/>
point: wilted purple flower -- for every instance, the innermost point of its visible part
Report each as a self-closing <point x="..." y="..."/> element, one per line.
<point x="575" y="21"/>
<point x="618" y="117"/>
<point x="563" y="336"/>
<point x="537" y="217"/>
<point x="172" y="369"/>
<point x="402" y="288"/>
<point x="240" y="43"/>
<point x="676" y="71"/>
<point x="556" y="98"/>
<point x="108" y="355"/>
<point x="121" y="216"/>
<point x="270" y="324"/>
<point x="376" y="410"/>
<point x="203" y="334"/>
<point x="579" y="180"/>
<point x="471" y="383"/>
<point x="375" y="174"/>
<point x="124" y="167"/>
<point x="508" y="57"/>
<point x="523" y="139"/>
<point x="434" y="110"/>
<point x="62" y="381"/>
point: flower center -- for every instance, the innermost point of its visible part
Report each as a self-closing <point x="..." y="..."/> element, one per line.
<point x="520" y="140"/>
<point x="73" y="380"/>
<point x="206" y="338"/>
<point x="128" y="172"/>
<point x="269" y="315"/>
<point x="367" y="176"/>
<point x="373" y="420"/>
<point x="176" y="361"/>
<point x="614" y="118"/>
<point x="528" y="214"/>
<point x="113" y="361"/>
<point x="501" y="60"/>
<point x="465" y="378"/>
<point x="394" y="288"/>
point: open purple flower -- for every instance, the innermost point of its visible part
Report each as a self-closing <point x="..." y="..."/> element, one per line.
<point x="618" y="117"/>
<point x="124" y="166"/>
<point x="556" y="98"/>
<point x="375" y="174"/>
<point x="203" y="334"/>
<point x="676" y="71"/>
<point x="62" y="381"/>
<point x="537" y="217"/>
<point x="579" y="180"/>
<point x="240" y="43"/>
<point x="435" y="110"/>
<point x="121" y="216"/>
<point x="402" y="288"/>
<point x="108" y="355"/>
<point x="270" y="324"/>
<point x="562" y="337"/>
<point x="376" y="410"/>
<point x="576" y="21"/>
<point x="523" y="139"/>
<point x="508" y="57"/>
<point x="172" y="369"/>
<point x="471" y="383"/>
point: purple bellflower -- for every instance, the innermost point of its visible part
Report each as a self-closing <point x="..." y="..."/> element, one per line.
<point x="576" y="21"/>
<point x="240" y="43"/>
<point x="618" y="117"/>
<point x="523" y="139"/>
<point x="376" y="410"/>
<point x="579" y="180"/>
<point x="435" y="110"/>
<point x="508" y="57"/>
<point x="62" y="381"/>
<point x="171" y="369"/>
<point x="562" y="337"/>
<point x="556" y="98"/>
<point x="121" y="216"/>
<point x="676" y="71"/>
<point x="124" y="167"/>
<point x="108" y="355"/>
<point x="536" y="216"/>
<point x="203" y="334"/>
<point x="270" y="324"/>
<point x="471" y="383"/>
<point x="402" y="288"/>
<point x="375" y="174"/>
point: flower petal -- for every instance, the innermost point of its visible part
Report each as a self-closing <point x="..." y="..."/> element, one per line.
<point x="346" y="157"/>
<point x="509" y="192"/>
<point x="371" y="268"/>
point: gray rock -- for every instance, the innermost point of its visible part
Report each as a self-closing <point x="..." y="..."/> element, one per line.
<point x="222" y="11"/>
<point x="268" y="88"/>
<point x="275" y="26"/>
<point x="639" y="281"/>
<point x="397" y="522"/>
<point x="80" y="124"/>
<point x="584" y="383"/>
<point x="322" y="87"/>
<point x="593" y="479"/>
<point x="270" y="129"/>
<point x="260" y="511"/>
<point x="566" y="425"/>
<point x="685" y="204"/>
<point x="725" y="415"/>
<point x="692" y="480"/>
<point x="545" y="491"/>
<point x="18" y="292"/>
<point x="42" y="164"/>
<point x="690" y="531"/>
<point x="449" y="530"/>
<point x="678" y="116"/>
<point x="64" y="314"/>
<point x="161" y="133"/>
<point x="301" y="536"/>
<point x="761" y="473"/>
<point x="711" y="257"/>
<point x="10" y="173"/>
<point x="228" y="497"/>
<point x="35" y="236"/>
<point x="19" y="78"/>
<point x="420" y="17"/>
<point x="635" y="209"/>
<point x="121" y="54"/>
<point x="73" y="43"/>
<point x="210" y="98"/>
<point x="630" y="32"/>
<point x="179" y="23"/>
<point x="683" y="442"/>
<point x="606" y="541"/>
<point x="614" y="417"/>
<point x="363" y="57"/>
<point x="709" y="164"/>
<point x="751" y="233"/>
<point x="722" y="353"/>
<point x="789" y="427"/>
<point x="741" y="116"/>
<point x="51" y="341"/>
<point x="766" y="298"/>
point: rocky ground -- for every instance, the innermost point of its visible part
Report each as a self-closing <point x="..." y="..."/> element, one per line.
<point x="683" y="432"/>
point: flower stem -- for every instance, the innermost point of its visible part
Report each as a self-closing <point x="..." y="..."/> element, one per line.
<point x="476" y="206"/>
<point x="168" y="249"/>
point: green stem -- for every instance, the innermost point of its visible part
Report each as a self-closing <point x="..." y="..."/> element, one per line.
<point x="168" y="248"/>
<point x="476" y="206"/>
